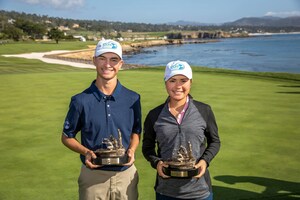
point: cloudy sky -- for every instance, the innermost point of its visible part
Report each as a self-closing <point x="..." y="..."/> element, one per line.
<point x="156" y="11"/>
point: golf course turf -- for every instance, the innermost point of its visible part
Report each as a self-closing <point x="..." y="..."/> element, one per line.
<point x="257" y="114"/>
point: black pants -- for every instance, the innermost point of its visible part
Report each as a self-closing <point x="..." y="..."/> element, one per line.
<point x="163" y="197"/>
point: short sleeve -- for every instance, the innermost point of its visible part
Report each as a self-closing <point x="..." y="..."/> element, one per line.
<point x="72" y="120"/>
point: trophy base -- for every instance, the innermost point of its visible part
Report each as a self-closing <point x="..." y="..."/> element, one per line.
<point x="180" y="173"/>
<point x="110" y="160"/>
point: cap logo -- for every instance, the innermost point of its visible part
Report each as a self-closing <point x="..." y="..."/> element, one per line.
<point x="109" y="45"/>
<point x="177" y="66"/>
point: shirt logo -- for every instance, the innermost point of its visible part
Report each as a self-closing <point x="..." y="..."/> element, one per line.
<point x="177" y="66"/>
<point x="67" y="125"/>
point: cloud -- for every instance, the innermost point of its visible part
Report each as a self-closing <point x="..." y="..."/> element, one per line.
<point x="283" y="14"/>
<point x="57" y="3"/>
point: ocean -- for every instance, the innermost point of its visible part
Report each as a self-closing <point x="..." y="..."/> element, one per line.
<point x="271" y="53"/>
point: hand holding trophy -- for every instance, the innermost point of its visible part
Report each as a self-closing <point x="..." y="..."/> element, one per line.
<point x="113" y="153"/>
<point x="182" y="164"/>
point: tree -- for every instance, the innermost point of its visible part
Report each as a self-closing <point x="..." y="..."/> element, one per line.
<point x="119" y="35"/>
<point x="55" y="34"/>
<point x="32" y="29"/>
<point x="13" y="32"/>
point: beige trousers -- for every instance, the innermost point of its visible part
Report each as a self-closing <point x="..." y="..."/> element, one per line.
<point x="108" y="185"/>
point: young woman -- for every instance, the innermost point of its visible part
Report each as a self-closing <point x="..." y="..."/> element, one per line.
<point x="179" y="122"/>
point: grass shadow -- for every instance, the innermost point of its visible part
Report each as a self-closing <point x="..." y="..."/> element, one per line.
<point x="288" y="92"/>
<point x="274" y="189"/>
<point x="289" y="86"/>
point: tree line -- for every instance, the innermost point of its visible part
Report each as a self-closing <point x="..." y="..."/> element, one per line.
<point x="16" y="26"/>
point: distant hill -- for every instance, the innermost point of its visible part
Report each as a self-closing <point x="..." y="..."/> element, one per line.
<point x="189" y="23"/>
<point x="267" y="21"/>
<point x="248" y="21"/>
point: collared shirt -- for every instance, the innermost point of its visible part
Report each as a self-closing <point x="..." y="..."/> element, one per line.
<point x="181" y="114"/>
<point x="98" y="116"/>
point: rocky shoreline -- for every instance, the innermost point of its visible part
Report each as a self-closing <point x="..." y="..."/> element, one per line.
<point x="72" y="57"/>
<point x="86" y="56"/>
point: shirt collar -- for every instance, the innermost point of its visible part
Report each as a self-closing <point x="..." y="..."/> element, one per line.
<point x="99" y="95"/>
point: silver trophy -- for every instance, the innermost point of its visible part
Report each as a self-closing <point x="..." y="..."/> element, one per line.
<point x="182" y="163"/>
<point x="113" y="154"/>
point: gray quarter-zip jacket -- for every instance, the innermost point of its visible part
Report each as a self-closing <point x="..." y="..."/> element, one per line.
<point x="198" y="127"/>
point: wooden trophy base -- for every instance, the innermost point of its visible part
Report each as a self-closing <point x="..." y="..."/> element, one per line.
<point x="111" y="160"/>
<point x="180" y="173"/>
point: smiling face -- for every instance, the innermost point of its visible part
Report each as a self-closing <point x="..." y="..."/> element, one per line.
<point x="178" y="87"/>
<point x="108" y="65"/>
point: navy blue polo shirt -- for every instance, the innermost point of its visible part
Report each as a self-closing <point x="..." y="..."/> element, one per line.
<point x="98" y="116"/>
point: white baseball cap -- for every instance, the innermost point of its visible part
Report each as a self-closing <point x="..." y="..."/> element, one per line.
<point x="108" y="46"/>
<point x="178" y="67"/>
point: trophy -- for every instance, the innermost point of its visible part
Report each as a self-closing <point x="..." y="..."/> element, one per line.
<point x="113" y="153"/>
<point x="182" y="164"/>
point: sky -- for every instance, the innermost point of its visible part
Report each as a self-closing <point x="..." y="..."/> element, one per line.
<point x="155" y="11"/>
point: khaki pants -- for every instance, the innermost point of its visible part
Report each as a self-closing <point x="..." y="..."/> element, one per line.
<point x="108" y="185"/>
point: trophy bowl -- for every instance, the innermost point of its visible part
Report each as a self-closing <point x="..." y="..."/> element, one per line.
<point x="110" y="157"/>
<point x="182" y="165"/>
<point x="113" y="154"/>
<point x="180" y="169"/>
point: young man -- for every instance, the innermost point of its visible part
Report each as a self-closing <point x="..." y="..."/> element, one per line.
<point x="103" y="110"/>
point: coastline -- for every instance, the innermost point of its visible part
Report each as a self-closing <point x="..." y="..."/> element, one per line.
<point x="293" y="77"/>
<point x="267" y="33"/>
<point x="85" y="57"/>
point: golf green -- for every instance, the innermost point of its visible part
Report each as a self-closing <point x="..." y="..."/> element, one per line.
<point x="257" y="115"/>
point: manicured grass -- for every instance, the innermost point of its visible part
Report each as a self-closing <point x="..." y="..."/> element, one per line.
<point x="258" y="121"/>
<point x="24" y="47"/>
<point x="257" y="115"/>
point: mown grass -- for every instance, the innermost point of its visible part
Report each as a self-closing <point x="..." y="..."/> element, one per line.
<point x="24" y="47"/>
<point x="257" y="115"/>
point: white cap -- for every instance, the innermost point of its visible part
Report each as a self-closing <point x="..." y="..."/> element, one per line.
<point x="108" y="46"/>
<point x="178" y="67"/>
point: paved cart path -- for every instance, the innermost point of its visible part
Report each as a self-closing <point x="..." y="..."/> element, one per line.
<point x="40" y="56"/>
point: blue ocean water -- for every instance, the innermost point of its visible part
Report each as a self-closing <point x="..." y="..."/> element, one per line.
<point x="273" y="53"/>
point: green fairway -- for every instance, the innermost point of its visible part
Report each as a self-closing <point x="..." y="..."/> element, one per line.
<point x="25" y="47"/>
<point x="258" y="117"/>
